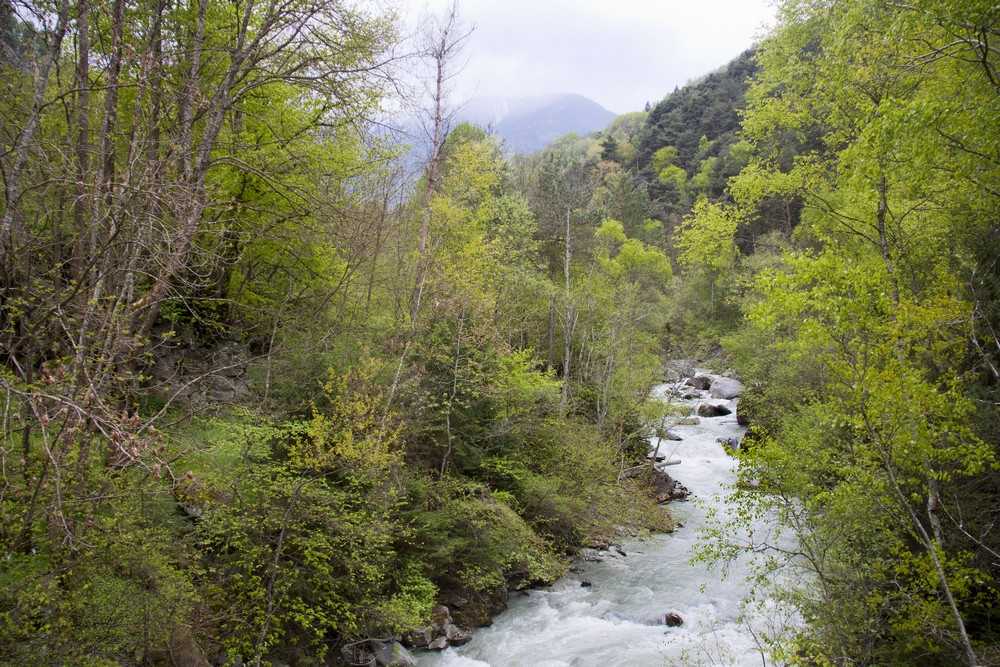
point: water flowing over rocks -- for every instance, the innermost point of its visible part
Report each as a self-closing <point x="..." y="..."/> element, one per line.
<point x="620" y="617"/>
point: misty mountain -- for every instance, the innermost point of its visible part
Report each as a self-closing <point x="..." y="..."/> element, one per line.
<point x="528" y="124"/>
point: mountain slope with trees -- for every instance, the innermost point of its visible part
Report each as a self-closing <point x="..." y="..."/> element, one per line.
<point x="870" y="339"/>
<point x="264" y="397"/>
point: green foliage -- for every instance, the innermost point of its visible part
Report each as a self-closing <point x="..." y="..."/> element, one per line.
<point x="706" y="240"/>
<point x="298" y="561"/>
<point x="687" y="130"/>
<point x="471" y="538"/>
<point x="353" y="436"/>
<point x="861" y="343"/>
<point x="116" y="597"/>
<point x="446" y="378"/>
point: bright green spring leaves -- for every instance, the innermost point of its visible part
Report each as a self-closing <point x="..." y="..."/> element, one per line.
<point x="866" y="462"/>
<point x="353" y="435"/>
<point x="877" y="117"/>
<point x="306" y="544"/>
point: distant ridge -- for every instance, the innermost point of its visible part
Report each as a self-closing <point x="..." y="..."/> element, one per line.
<point x="529" y="124"/>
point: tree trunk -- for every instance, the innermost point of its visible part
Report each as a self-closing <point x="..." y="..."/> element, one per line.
<point x="567" y="332"/>
<point x="16" y="173"/>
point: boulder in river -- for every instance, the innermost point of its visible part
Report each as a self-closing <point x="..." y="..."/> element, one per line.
<point x="710" y="410"/>
<point x="666" y="488"/>
<point x="699" y="382"/>
<point x="672" y="619"/>
<point x="419" y="638"/>
<point x="726" y="388"/>
<point x="442" y="632"/>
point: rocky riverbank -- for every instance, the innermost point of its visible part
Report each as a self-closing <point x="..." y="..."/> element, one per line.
<point x="706" y="396"/>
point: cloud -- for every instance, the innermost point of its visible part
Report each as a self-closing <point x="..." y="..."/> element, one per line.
<point x="620" y="54"/>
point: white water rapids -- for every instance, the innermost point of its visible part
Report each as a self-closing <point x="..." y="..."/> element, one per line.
<point x="619" y="619"/>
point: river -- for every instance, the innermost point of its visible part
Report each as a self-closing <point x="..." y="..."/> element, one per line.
<point x="618" y="619"/>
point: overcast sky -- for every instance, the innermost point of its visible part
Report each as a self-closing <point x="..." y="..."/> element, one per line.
<point x="619" y="53"/>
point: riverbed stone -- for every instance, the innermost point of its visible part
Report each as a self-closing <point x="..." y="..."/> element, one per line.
<point x="711" y="410"/>
<point x="665" y="488"/>
<point x="457" y="636"/>
<point x="672" y="619"/>
<point x="440" y="619"/>
<point x="726" y="388"/>
<point x="419" y="638"/>
<point x="699" y="382"/>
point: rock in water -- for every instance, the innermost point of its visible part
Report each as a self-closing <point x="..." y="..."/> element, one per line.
<point x="726" y="388"/>
<point x="457" y="636"/>
<point x="700" y="382"/>
<point x="709" y="410"/>
<point x="419" y="638"/>
<point x="672" y="619"/>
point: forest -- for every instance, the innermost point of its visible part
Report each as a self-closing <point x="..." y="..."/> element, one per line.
<point x="267" y="396"/>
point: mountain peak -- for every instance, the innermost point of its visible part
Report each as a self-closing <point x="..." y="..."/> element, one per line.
<point x="529" y="123"/>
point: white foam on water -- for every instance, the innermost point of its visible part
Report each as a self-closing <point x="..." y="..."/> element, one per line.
<point x="619" y="618"/>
